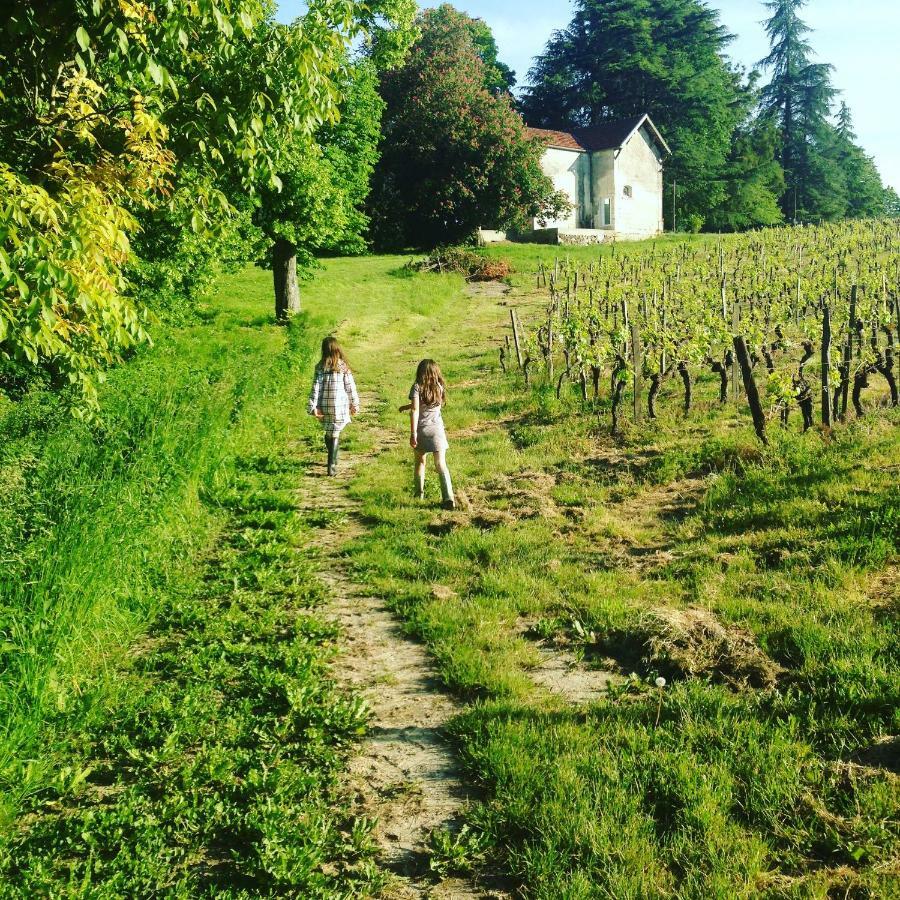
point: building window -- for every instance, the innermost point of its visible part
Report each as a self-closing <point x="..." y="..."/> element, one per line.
<point x="606" y="212"/>
<point x="627" y="190"/>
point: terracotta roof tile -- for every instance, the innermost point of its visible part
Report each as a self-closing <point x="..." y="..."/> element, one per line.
<point x="564" y="139"/>
<point x="605" y="136"/>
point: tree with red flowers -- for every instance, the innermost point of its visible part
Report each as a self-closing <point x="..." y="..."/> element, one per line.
<point x="455" y="155"/>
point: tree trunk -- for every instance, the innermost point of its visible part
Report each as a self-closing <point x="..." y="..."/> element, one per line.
<point x="284" y="276"/>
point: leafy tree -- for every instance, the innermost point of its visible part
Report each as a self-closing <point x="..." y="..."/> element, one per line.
<point x="499" y="77"/>
<point x="454" y="155"/>
<point x="110" y="112"/>
<point x="620" y="58"/>
<point x="323" y="181"/>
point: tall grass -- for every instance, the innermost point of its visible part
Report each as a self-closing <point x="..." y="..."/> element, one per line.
<point x="98" y="523"/>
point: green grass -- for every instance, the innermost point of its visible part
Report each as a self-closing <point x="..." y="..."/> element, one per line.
<point x="170" y="727"/>
<point x="174" y="532"/>
<point x="740" y="790"/>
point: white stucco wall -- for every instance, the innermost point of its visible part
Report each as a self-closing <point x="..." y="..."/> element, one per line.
<point x="638" y="165"/>
<point x="603" y="186"/>
<point x="569" y="172"/>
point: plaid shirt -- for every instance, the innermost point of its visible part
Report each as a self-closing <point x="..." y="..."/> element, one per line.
<point x="333" y="393"/>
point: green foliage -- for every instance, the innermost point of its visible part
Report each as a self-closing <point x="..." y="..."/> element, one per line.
<point x="753" y="179"/>
<point x="180" y="111"/>
<point x="174" y="265"/>
<point x="323" y="179"/>
<point x="454" y="155"/>
<point x="180" y="512"/>
<point x="891" y="203"/>
<point x="499" y="78"/>
<point x="62" y="303"/>
<point x="827" y="175"/>
<point x="734" y="792"/>
<point x="689" y="306"/>
<point x="206" y="759"/>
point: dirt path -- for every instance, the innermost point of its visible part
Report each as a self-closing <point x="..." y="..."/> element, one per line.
<point x="405" y="774"/>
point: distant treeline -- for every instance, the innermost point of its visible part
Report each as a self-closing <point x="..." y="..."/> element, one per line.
<point x="747" y="152"/>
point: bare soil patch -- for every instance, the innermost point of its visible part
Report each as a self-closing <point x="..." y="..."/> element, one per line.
<point x="560" y="673"/>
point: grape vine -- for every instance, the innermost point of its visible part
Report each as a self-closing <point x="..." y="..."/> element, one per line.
<point x="783" y="317"/>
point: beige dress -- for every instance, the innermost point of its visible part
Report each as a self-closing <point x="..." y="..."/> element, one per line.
<point x="430" y="434"/>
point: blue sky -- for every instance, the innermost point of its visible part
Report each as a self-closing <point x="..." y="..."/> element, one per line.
<point x="861" y="40"/>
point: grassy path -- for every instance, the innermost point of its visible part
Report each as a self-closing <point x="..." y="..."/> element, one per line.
<point x="753" y="581"/>
<point x="405" y="775"/>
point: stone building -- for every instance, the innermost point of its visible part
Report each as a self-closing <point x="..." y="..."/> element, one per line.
<point x="612" y="174"/>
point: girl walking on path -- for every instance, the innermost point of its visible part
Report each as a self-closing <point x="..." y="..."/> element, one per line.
<point x="426" y="429"/>
<point x="333" y="398"/>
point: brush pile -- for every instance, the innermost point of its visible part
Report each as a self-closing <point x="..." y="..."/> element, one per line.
<point x="472" y="265"/>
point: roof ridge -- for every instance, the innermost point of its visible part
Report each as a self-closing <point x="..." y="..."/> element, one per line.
<point x="608" y="135"/>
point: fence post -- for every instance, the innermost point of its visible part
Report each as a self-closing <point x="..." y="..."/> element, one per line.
<point x="826" y="366"/>
<point x="515" y="331"/>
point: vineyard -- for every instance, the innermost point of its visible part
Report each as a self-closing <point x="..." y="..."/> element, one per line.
<point x="789" y="319"/>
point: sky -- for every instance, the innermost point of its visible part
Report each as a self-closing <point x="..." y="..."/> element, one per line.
<point x="861" y="40"/>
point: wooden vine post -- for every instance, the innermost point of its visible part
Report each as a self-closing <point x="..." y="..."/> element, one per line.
<point x="756" y="410"/>
<point x="735" y="327"/>
<point x="848" y="354"/>
<point x="826" y="366"/>
<point x="515" y="331"/>
<point x="550" y="343"/>
<point x="638" y="362"/>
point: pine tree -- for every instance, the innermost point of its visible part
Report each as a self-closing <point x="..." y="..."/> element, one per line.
<point x="863" y="187"/>
<point x="891" y="203"/>
<point x="845" y="123"/>
<point x="798" y="99"/>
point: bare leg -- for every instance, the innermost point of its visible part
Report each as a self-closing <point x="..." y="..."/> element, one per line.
<point x="440" y="463"/>
<point x="419" y="476"/>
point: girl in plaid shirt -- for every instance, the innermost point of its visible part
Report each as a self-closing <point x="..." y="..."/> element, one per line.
<point x="333" y="398"/>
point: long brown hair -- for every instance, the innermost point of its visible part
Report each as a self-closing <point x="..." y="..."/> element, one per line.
<point x="432" y="391"/>
<point x="332" y="356"/>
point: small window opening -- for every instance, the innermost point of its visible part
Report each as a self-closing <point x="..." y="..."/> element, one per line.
<point x="606" y="212"/>
<point x="627" y="190"/>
